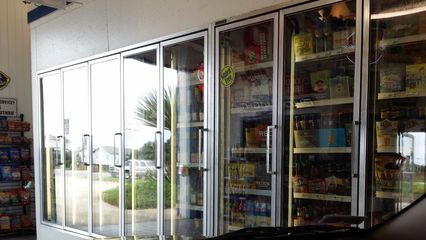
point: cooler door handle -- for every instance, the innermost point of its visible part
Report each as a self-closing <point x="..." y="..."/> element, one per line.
<point x="117" y="154"/>
<point x="85" y="149"/>
<point x="157" y="149"/>
<point x="201" y="132"/>
<point x="269" y="129"/>
<point x="61" y="141"/>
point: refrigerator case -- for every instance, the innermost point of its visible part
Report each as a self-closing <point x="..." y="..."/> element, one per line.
<point x="246" y="70"/>
<point x="319" y="67"/>
<point x="396" y="114"/>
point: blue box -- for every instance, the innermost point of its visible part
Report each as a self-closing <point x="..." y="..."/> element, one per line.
<point x="332" y="137"/>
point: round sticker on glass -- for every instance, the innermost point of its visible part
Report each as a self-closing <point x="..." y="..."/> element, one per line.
<point x="227" y="76"/>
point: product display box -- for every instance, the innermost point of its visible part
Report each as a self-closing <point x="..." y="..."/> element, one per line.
<point x="303" y="44"/>
<point x="320" y="84"/>
<point x="305" y="138"/>
<point x="332" y="137"/>
<point x="343" y="39"/>
<point x="392" y="77"/>
<point x="416" y="78"/>
<point x="386" y="133"/>
<point x="339" y="87"/>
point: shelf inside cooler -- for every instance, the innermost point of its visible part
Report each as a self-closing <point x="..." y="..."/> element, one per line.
<point x="323" y="150"/>
<point x="188" y="165"/>
<point x="324" y="197"/>
<point x="190" y="207"/>
<point x="190" y="83"/>
<point x="253" y="109"/>
<point x="325" y="102"/>
<point x="386" y="150"/>
<point x="402" y="40"/>
<point x="248" y="150"/>
<point x="258" y="192"/>
<point x="326" y="54"/>
<point x="190" y="124"/>
<point x="243" y="68"/>
<point x="400" y="94"/>
<point x="388" y="195"/>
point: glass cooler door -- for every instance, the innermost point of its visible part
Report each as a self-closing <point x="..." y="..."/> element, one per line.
<point x="246" y="75"/>
<point x="396" y="106"/>
<point x="184" y="165"/>
<point x="319" y="66"/>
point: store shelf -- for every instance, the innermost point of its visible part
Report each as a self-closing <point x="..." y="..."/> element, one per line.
<point x="248" y="150"/>
<point x="325" y="102"/>
<point x="190" y="207"/>
<point x="251" y="109"/>
<point x="239" y="178"/>
<point x="402" y="40"/>
<point x="323" y="150"/>
<point x="388" y="195"/>
<point x="327" y="54"/>
<point x="188" y="165"/>
<point x="324" y="197"/>
<point x="257" y="192"/>
<point x="190" y="124"/>
<point x="401" y="94"/>
<point x="386" y="150"/>
<point x="190" y="83"/>
<point x="251" y="67"/>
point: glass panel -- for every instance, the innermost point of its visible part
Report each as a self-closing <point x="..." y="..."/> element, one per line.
<point x="76" y="124"/>
<point x="183" y="119"/>
<point x="105" y="80"/>
<point x="246" y="80"/>
<point x="318" y="104"/>
<point x="140" y="116"/>
<point x="397" y="104"/>
<point x="52" y="150"/>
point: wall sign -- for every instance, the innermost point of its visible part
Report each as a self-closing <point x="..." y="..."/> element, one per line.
<point x="8" y="107"/>
<point x="4" y="80"/>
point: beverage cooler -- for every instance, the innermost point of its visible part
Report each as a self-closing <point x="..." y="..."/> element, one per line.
<point x="246" y="74"/>
<point x="396" y="139"/>
<point x="319" y="108"/>
<point x="286" y="117"/>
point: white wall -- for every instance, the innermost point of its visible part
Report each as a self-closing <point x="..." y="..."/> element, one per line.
<point x="15" y="54"/>
<point x="99" y="26"/>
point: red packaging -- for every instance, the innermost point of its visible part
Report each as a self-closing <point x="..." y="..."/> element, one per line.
<point x="26" y="221"/>
<point x="25" y="174"/>
<point x="252" y="55"/>
<point x="25" y="154"/>
<point x="24" y="196"/>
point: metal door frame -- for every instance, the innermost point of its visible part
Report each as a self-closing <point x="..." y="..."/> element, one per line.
<point x="41" y="145"/>
<point x="202" y="33"/>
<point x="124" y="55"/>
<point x="355" y="157"/>
<point x="121" y="172"/>
<point x="89" y="168"/>
<point x="275" y="178"/>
